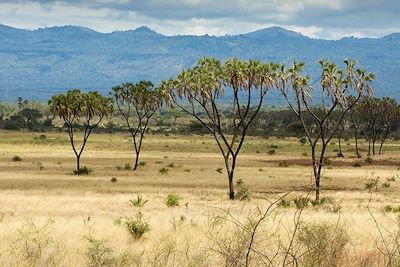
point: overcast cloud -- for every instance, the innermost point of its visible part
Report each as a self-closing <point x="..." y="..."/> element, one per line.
<point x="330" y="19"/>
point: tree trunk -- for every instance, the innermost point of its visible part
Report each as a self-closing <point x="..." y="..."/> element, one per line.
<point x="356" y="137"/>
<point x="231" y="192"/>
<point x="369" y="146"/>
<point x="136" y="161"/>
<point x="78" y="159"/>
<point x="373" y="147"/>
<point x="340" y="154"/>
<point x="380" y="148"/>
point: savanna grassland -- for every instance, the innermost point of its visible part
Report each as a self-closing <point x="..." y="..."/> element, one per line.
<point x="49" y="217"/>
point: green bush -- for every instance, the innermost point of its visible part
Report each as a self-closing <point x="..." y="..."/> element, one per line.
<point x="243" y="194"/>
<point x="137" y="227"/>
<point x="98" y="253"/>
<point x="172" y="200"/>
<point x="301" y="202"/>
<point x="83" y="171"/>
<point x="371" y="183"/>
<point x="163" y="170"/>
<point x="127" y="167"/>
<point x="324" y="243"/>
<point x="284" y="203"/>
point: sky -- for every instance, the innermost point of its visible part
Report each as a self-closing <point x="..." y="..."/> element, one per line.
<point x="326" y="19"/>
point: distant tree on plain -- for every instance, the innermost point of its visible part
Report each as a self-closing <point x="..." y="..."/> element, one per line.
<point x="76" y="109"/>
<point x="137" y="103"/>
<point x="206" y="84"/>
<point x="335" y="87"/>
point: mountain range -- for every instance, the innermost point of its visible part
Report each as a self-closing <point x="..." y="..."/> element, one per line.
<point x="36" y="64"/>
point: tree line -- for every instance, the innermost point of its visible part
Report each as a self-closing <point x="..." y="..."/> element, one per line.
<point x="340" y="103"/>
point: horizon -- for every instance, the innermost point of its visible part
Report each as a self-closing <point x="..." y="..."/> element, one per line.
<point x="318" y="19"/>
<point x="200" y="35"/>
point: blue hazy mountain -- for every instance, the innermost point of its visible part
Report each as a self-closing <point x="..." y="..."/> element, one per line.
<point x="36" y="64"/>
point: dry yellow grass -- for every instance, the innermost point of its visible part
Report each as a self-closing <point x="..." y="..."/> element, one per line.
<point x="40" y="188"/>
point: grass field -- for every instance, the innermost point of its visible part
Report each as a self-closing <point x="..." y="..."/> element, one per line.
<point x="50" y="217"/>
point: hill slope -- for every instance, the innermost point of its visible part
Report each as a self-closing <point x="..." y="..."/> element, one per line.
<point x="36" y="64"/>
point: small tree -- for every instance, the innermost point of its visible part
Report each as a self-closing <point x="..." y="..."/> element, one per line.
<point x="335" y="87"/>
<point x="388" y="120"/>
<point x="204" y="87"/>
<point x="137" y="103"/>
<point x="76" y="109"/>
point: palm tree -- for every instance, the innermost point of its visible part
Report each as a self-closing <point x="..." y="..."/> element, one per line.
<point x="78" y="108"/>
<point x="204" y="87"/>
<point x="137" y="103"/>
<point x="335" y="86"/>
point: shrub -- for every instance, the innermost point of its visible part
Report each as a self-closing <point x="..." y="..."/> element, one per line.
<point x="327" y="161"/>
<point x="284" y="203"/>
<point x="305" y="154"/>
<point x="391" y="179"/>
<point x="137" y="227"/>
<point x="163" y="170"/>
<point x="369" y="160"/>
<point x="113" y="180"/>
<point x="16" y="158"/>
<point x="219" y="170"/>
<point x="142" y="163"/>
<point x="83" y="171"/>
<point x="98" y="253"/>
<point x="138" y="202"/>
<point x="371" y="183"/>
<point x="171" y="165"/>
<point x="127" y="167"/>
<point x="301" y="202"/>
<point x="31" y="241"/>
<point x="283" y="164"/>
<point x="271" y="152"/>
<point x="243" y="194"/>
<point x="321" y="201"/>
<point x="325" y="243"/>
<point x="386" y="184"/>
<point x="272" y="146"/>
<point x="172" y="200"/>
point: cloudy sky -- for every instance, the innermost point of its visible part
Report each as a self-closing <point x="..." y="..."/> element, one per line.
<point x="328" y="19"/>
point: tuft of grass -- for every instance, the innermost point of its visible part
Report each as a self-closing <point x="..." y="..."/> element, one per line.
<point x="113" y="179"/>
<point x="138" y="202"/>
<point x="163" y="170"/>
<point x="83" y="171"/>
<point x="142" y="163"/>
<point x="284" y="203"/>
<point x="171" y="165"/>
<point x="127" y="167"/>
<point x="271" y="152"/>
<point x="172" y="200"/>
<point x="301" y="202"/>
<point x="219" y="170"/>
